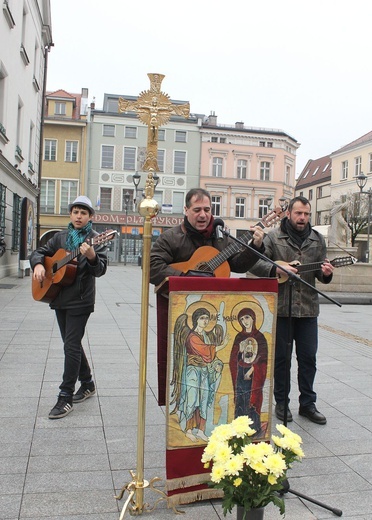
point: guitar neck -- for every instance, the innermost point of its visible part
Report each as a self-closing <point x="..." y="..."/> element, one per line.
<point x="230" y="250"/>
<point x="309" y="267"/>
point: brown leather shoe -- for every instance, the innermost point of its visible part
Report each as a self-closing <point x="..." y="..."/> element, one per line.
<point x="312" y="414"/>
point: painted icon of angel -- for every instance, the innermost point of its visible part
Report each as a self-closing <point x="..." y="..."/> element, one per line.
<point x="196" y="369"/>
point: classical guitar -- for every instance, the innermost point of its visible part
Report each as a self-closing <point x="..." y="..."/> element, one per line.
<point x="60" y="269"/>
<point x="209" y="259"/>
<point x="304" y="268"/>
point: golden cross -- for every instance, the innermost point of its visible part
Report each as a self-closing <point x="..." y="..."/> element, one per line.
<point x="154" y="109"/>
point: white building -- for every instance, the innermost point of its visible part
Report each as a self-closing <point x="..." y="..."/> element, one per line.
<point x="25" y="40"/>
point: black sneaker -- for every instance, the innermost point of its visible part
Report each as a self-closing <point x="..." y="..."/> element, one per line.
<point x="62" y="407"/>
<point x="85" y="391"/>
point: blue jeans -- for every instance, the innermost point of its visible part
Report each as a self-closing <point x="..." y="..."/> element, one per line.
<point x="76" y="365"/>
<point x="305" y="336"/>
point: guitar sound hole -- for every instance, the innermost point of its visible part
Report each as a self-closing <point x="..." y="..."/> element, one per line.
<point x="204" y="267"/>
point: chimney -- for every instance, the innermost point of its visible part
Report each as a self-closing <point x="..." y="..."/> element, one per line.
<point x="212" y="119"/>
<point x="239" y="125"/>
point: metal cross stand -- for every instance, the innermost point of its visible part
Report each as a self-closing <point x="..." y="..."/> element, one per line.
<point x="154" y="109"/>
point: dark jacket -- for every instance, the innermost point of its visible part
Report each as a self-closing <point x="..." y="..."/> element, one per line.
<point x="177" y="245"/>
<point x="81" y="293"/>
<point x="279" y="246"/>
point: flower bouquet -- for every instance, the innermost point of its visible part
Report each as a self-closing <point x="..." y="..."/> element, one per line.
<point x="250" y="473"/>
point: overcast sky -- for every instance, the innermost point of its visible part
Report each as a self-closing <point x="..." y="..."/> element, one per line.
<point x="303" y="66"/>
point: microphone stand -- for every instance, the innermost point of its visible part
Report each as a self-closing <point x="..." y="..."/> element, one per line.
<point x="292" y="278"/>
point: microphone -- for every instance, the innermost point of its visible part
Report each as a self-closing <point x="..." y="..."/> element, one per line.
<point x="218" y="225"/>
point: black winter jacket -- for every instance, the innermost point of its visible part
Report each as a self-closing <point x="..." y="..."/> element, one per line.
<point x="81" y="294"/>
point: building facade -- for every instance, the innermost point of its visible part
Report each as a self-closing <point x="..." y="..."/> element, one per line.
<point x="246" y="170"/>
<point x="63" y="159"/>
<point x="25" y="41"/>
<point x="314" y="183"/>
<point x="116" y="154"/>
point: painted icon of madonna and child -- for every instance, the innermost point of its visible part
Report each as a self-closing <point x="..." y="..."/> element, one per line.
<point x="221" y="365"/>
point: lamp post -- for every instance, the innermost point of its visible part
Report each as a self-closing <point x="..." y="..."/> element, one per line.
<point x="136" y="178"/>
<point x="361" y="181"/>
<point x="126" y="203"/>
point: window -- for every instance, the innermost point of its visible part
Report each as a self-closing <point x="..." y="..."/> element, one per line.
<point x="161" y="134"/>
<point x="214" y="139"/>
<point x="287" y="174"/>
<point x="71" y="151"/>
<point x="180" y="137"/>
<point x="216" y="205"/>
<point x="242" y="169"/>
<point x="217" y="166"/>
<point x="16" y="235"/>
<point x="68" y="195"/>
<point x="2" y="207"/>
<point x="318" y="218"/>
<point x="105" y="199"/>
<point x="178" y="201"/>
<point x="370" y="163"/>
<point x="310" y="194"/>
<point x="107" y="159"/>
<point x="222" y="139"/>
<point x="358" y="166"/>
<point x="269" y="144"/>
<point x="161" y="156"/>
<point x="129" y="158"/>
<point x="264" y="171"/>
<point x="239" y="207"/>
<point x="262" y="143"/>
<point x="179" y="162"/>
<point x="263" y="207"/>
<point x="50" y="149"/>
<point x="319" y="192"/>
<point x="59" y="109"/>
<point x="130" y="132"/>
<point x="108" y="130"/>
<point x="47" y="196"/>
<point x="344" y="170"/>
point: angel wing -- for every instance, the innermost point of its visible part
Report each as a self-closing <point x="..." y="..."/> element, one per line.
<point x="181" y="331"/>
<point x="126" y="106"/>
<point x="181" y="110"/>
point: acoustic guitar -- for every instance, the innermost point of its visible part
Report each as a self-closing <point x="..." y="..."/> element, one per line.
<point x="60" y="269"/>
<point x="211" y="260"/>
<point x="304" y="268"/>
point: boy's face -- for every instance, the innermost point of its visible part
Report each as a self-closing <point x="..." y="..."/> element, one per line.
<point x="79" y="217"/>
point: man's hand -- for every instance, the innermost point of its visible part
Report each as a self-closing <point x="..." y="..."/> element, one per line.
<point x="327" y="267"/>
<point x="39" y="273"/>
<point x="88" y="251"/>
<point x="257" y="235"/>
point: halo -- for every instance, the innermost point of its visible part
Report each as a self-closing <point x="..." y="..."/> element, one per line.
<point x="206" y="305"/>
<point x="256" y="307"/>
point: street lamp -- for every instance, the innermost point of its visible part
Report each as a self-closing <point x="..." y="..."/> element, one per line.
<point x="126" y="204"/>
<point x="283" y="203"/>
<point x="361" y="181"/>
<point x="136" y="178"/>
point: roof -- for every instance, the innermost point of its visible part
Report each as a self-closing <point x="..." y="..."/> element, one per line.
<point x="62" y="95"/>
<point x="366" y="138"/>
<point x="316" y="171"/>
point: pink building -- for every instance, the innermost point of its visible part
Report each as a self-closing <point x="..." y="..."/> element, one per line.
<point x="246" y="170"/>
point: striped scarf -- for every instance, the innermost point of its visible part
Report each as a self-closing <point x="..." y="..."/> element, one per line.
<point x="76" y="237"/>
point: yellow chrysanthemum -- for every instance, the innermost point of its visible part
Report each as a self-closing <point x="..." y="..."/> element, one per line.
<point x="259" y="467"/>
<point x="223" y="453"/>
<point x="275" y="464"/>
<point x="234" y="465"/>
<point x="241" y="426"/>
<point x="237" y="482"/>
<point x="222" y="432"/>
<point x="217" y="473"/>
<point x="287" y="432"/>
<point x="272" y="479"/>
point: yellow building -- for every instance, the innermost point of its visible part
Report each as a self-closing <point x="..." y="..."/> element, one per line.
<point x="64" y="158"/>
